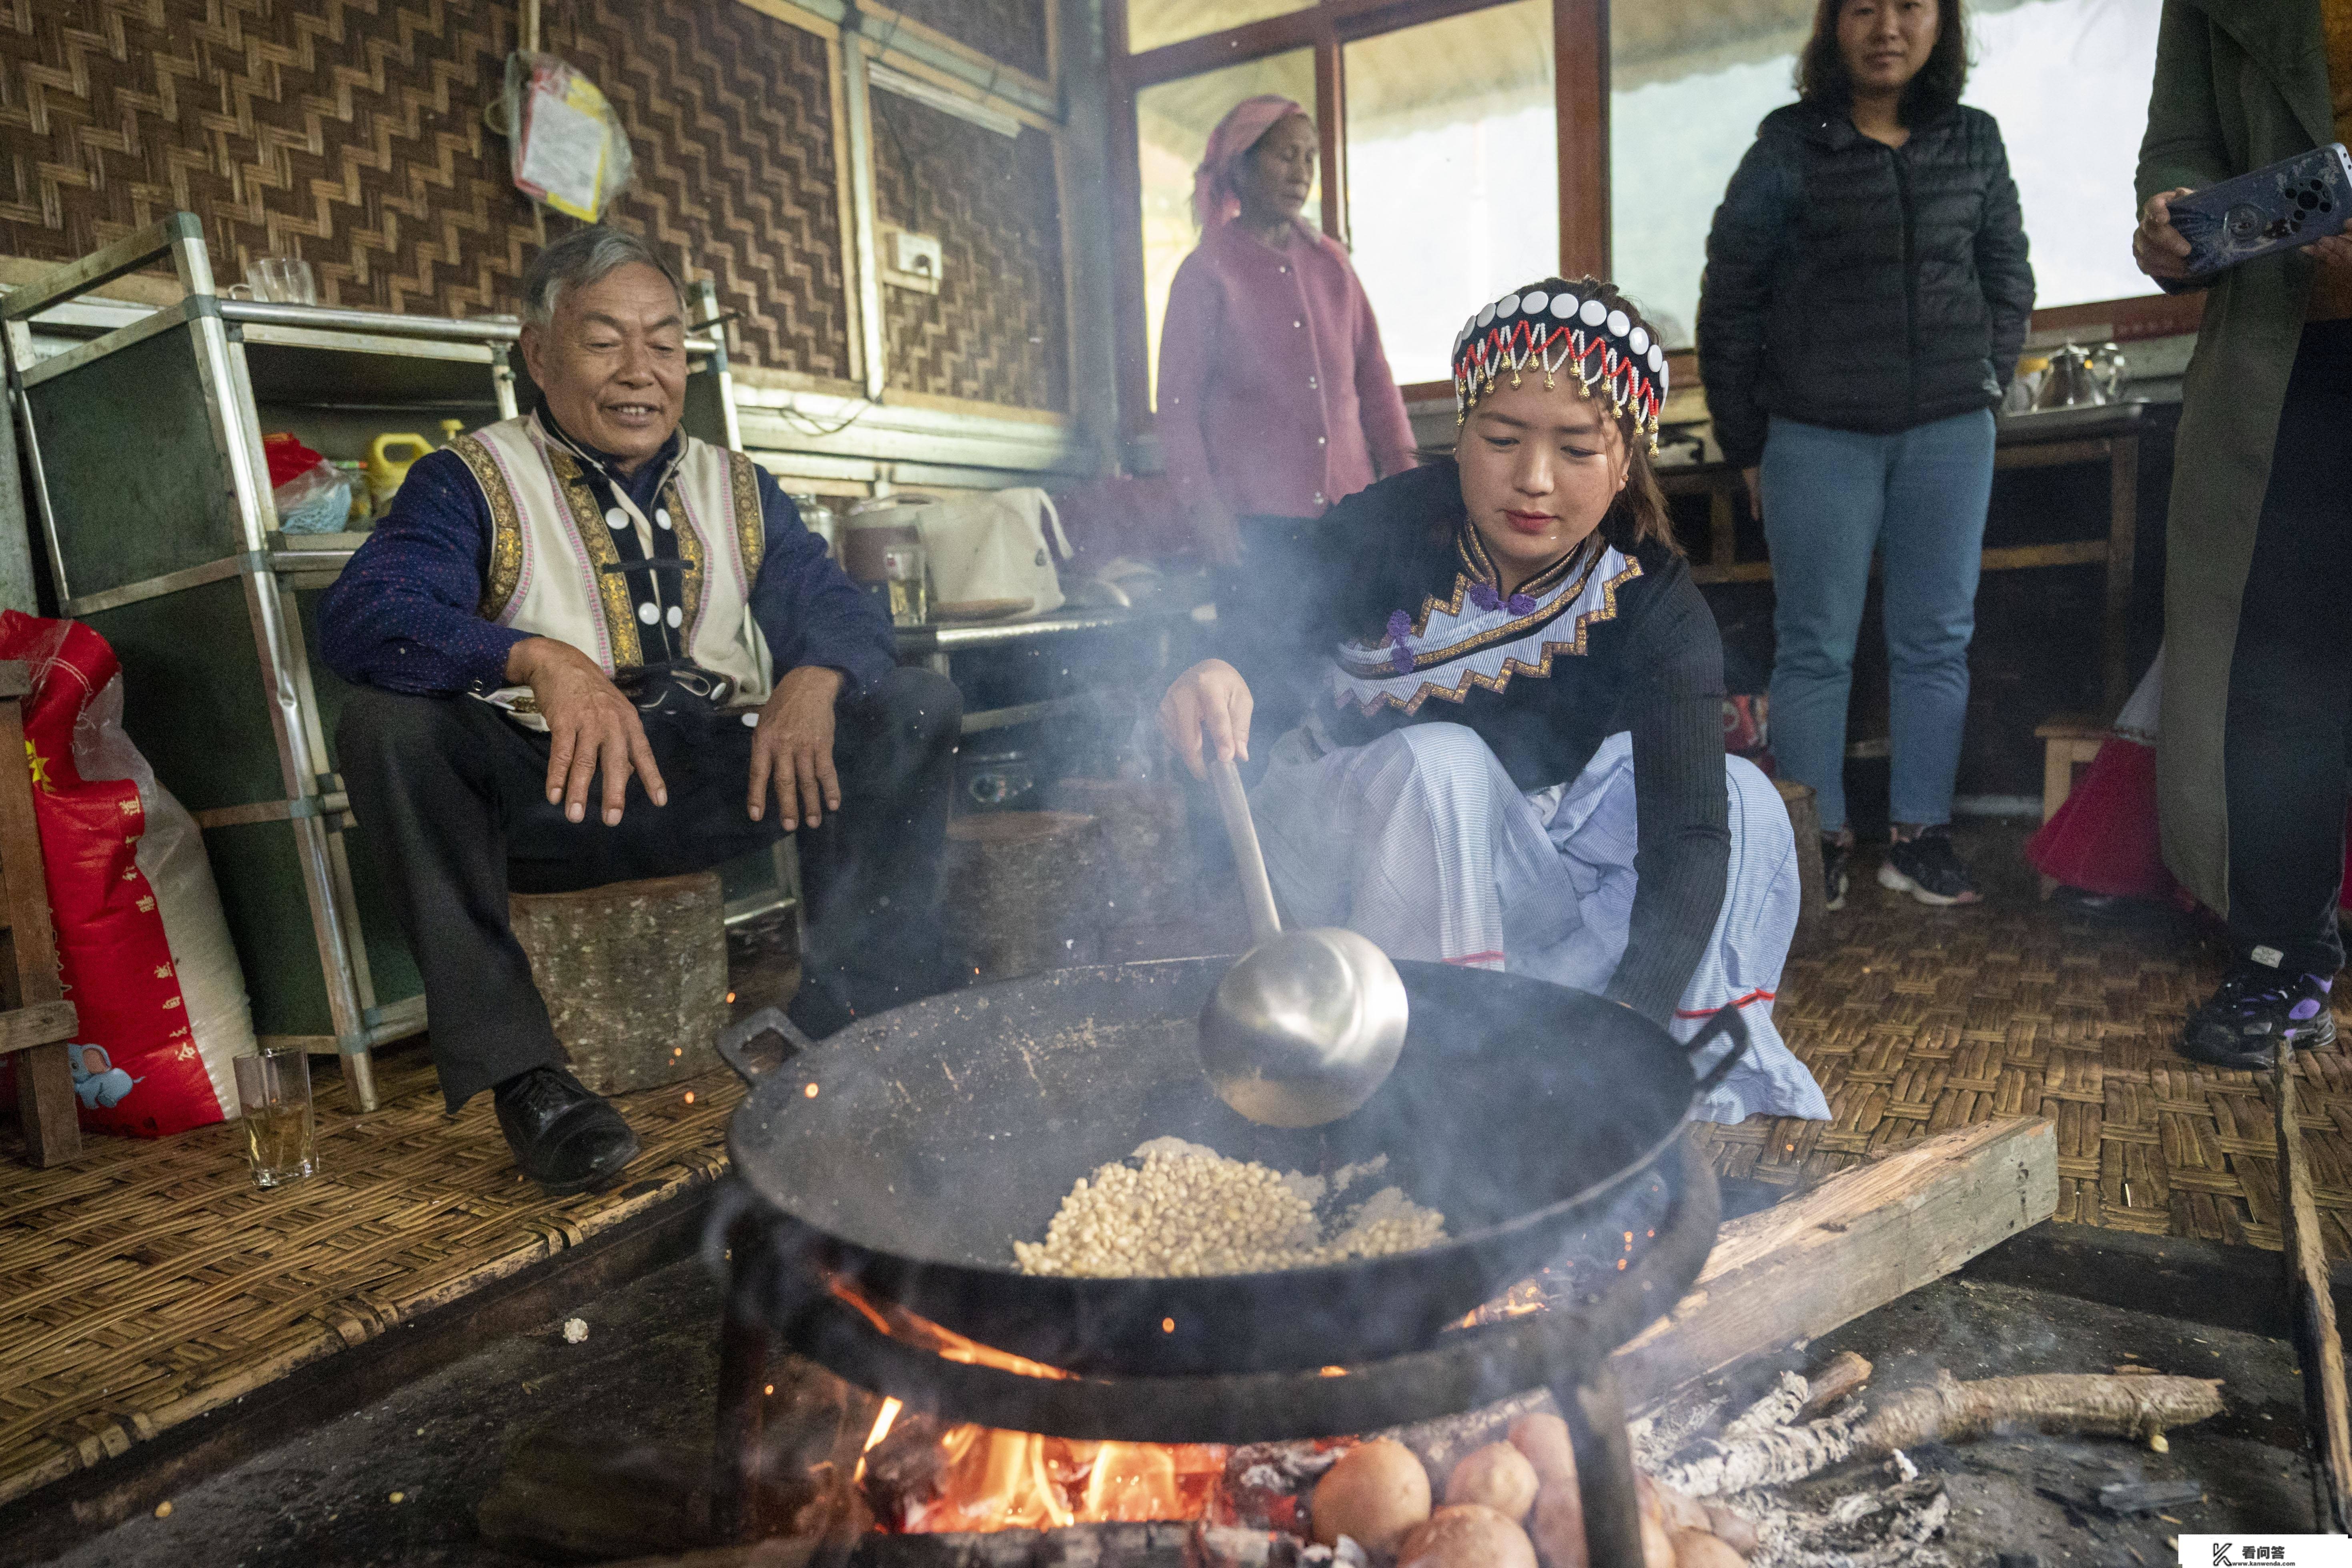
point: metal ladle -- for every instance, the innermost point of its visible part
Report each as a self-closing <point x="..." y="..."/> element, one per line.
<point x="1306" y="1023"/>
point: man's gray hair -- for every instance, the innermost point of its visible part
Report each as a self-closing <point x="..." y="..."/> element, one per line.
<point x="579" y="259"/>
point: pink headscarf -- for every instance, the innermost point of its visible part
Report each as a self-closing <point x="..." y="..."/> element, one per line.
<point x="1213" y="201"/>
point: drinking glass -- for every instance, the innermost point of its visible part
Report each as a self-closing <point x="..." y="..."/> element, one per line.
<point x="281" y="279"/>
<point x="273" y="1089"/>
<point x="905" y="576"/>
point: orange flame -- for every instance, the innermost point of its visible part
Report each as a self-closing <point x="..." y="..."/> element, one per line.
<point x="1018" y="1480"/>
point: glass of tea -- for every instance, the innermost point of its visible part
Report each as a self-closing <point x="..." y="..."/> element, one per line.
<point x="273" y="1088"/>
<point x="905" y="579"/>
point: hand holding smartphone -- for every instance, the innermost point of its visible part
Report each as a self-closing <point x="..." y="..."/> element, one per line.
<point x="2281" y="206"/>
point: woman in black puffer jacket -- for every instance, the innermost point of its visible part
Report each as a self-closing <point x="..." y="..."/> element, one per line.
<point x="1866" y="296"/>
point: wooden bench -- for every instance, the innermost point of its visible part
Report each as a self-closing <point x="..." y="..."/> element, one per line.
<point x="2069" y="741"/>
<point x="35" y="1020"/>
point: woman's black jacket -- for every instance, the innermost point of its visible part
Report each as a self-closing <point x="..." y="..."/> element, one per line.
<point x="1860" y="286"/>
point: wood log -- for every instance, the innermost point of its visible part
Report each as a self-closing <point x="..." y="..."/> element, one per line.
<point x="1840" y="1375"/>
<point x="1022" y="892"/>
<point x="1148" y="870"/>
<point x="2312" y="1306"/>
<point x="1856" y="1242"/>
<point x="634" y="975"/>
<point x="1812" y="890"/>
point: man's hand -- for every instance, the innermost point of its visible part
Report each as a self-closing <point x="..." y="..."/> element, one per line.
<point x="2335" y="250"/>
<point x="1211" y="697"/>
<point x="591" y="729"/>
<point x="1755" y="479"/>
<point x="793" y="745"/>
<point x="2159" y="250"/>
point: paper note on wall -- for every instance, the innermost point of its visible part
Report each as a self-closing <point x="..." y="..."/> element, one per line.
<point x="570" y="153"/>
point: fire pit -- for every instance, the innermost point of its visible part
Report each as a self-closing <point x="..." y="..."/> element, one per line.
<point x="882" y="1177"/>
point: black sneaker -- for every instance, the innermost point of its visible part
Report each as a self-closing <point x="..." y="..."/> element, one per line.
<point x="2254" y="1007"/>
<point x="1927" y="868"/>
<point x="1835" y="879"/>
<point x="564" y="1137"/>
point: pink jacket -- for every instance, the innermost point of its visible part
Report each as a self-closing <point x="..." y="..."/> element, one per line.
<point x="1274" y="393"/>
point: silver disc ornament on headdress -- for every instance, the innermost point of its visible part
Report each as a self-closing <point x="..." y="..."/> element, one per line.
<point x="1576" y="329"/>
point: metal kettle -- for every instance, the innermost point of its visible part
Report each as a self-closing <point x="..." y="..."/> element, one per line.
<point x="2081" y="378"/>
<point x="2070" y="381"/>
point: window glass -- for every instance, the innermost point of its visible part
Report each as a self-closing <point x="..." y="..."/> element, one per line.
<point x="1151" y="23"/>
<point x="1688" y="80"/>
<point x="1452" y="172"/>
<point x="2068" y="80"/>
<point x="1172" y="121"/>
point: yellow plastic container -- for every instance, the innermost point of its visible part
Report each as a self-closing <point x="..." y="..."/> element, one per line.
<point x="386" y="467"/>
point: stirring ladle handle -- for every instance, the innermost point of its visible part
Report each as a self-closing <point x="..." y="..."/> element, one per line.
<point x="1257" y="893"/>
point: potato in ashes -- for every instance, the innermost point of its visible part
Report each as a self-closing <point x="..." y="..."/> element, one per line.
<point x="1183" y="1209"/>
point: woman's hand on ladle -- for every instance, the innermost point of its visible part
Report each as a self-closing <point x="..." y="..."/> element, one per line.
<point x="1209" y="699"/>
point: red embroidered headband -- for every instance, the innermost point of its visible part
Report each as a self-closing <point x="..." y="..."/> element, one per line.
<point x="1555" y="327"/>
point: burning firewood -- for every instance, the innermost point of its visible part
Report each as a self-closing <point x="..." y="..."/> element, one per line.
<point x="1947" y="1411"/>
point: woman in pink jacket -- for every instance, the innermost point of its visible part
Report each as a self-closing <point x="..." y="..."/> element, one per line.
<point x="1276" y="400"/>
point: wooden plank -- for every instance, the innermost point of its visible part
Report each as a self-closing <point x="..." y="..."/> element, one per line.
<point x="45" y="1096"/>
<point x="1856" y="1242"/>
<point x="2312" y="1304"/>
<point x="44" y="1023"/>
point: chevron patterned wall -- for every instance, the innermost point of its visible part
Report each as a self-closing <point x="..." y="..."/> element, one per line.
<point x="349" y="132"/>
<point x="1013" y="31"/>
<point x="992" y="202"/>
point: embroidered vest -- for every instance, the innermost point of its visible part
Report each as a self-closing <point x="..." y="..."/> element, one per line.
<point x="573" y="557"/>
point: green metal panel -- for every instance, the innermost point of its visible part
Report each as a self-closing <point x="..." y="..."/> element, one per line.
<point x="128" y="453"/>
<point x="392" y="969"/>
<point x="259" y="869"/>
<point x="193" y="699"/>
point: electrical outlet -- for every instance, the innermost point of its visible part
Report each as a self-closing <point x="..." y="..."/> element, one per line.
<point x="911" y="261"/>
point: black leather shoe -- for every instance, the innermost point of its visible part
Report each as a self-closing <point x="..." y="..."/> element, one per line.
<point x="564" y="1138"/>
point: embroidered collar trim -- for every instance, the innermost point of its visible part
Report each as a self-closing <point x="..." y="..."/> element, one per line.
<point x="1488" y="649"/>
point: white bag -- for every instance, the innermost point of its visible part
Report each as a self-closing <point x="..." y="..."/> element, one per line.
<point x="992" y="550"/>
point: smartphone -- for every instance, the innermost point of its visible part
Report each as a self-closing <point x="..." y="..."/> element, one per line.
<point x="2287" y="203"/>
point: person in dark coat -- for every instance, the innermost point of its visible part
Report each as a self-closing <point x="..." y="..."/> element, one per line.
<point x="1866" y="296"/>
<point x="2257" y="623"/>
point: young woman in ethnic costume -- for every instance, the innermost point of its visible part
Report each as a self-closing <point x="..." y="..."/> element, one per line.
<point x="1518" y="758"/>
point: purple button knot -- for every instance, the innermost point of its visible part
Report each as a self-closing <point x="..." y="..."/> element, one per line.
<point x="1483" y="595"/>
<point x="1401" y="660"/>
<point x="1520" y="605"/>
<point x="1399" y="626"/>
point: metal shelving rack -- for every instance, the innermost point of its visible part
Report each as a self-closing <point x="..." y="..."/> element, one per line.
<point x="145" y="449"/>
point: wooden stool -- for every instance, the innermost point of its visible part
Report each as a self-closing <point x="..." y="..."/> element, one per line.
<point x="634" y="974"/>
<point x="1812" y="890"/>
<point x="38" y="1021"/>
<point x="2069" y="741"/>
<point x="1023" y="891"/>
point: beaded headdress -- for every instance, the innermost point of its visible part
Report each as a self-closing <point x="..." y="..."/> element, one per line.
<point x="1572" y="328"/>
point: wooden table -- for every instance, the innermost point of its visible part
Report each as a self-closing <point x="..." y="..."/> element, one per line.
<point x="2108" y="434"/>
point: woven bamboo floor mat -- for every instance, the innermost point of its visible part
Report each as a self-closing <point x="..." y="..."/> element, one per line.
<point x="1915" y="1020"/>
<point x="150" y="1282"/>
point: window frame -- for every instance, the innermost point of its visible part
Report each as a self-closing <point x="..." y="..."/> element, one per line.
<point x="1581" y="77"/>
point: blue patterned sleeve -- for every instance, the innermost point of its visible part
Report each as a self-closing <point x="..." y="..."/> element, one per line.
<point x="405" y="614"/>
<point x="808" y="609"/>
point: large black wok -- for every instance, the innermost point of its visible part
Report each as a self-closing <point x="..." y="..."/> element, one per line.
<point x="909" y="1150"/>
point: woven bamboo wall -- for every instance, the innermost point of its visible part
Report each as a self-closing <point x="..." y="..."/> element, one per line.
<point x="1013" y="31"/>
<point x="349" y="132"/>
<point x="996" y="329"/>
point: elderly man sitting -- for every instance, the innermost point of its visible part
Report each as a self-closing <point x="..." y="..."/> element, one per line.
<point x="588" y="647"/>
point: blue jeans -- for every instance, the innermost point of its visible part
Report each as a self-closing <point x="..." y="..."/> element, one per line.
<point x="1918" y="497"/>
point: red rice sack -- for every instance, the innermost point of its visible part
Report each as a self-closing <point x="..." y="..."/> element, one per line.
<point x="142" y="947"/>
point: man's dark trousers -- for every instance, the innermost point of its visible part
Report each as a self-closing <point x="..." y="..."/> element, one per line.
<point x="452" y="797"/>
